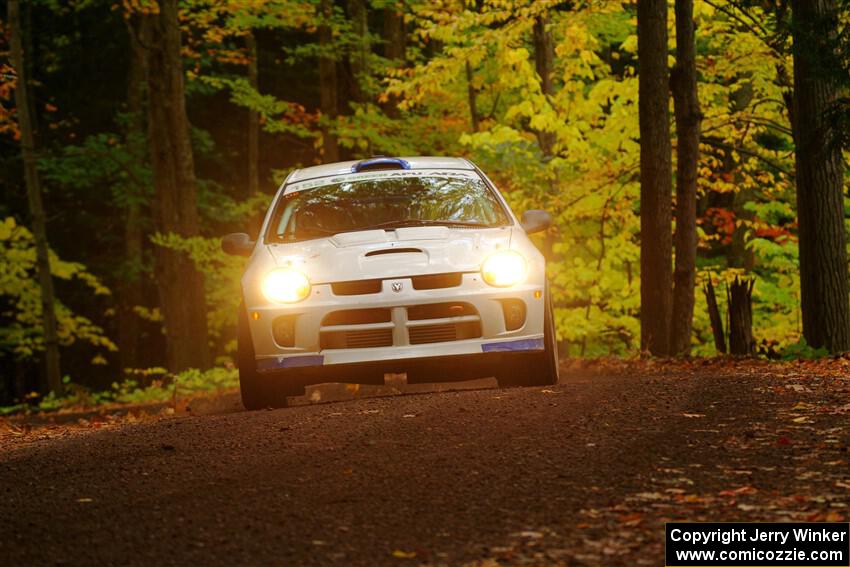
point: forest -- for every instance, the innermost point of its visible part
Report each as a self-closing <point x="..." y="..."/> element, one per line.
<point x="687" y="150"/>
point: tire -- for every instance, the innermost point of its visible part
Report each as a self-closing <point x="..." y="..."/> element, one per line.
<point x="539" y="369"/>
<point x="258" y="391"/>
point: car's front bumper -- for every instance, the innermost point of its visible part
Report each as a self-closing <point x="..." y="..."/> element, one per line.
<point x="310" y="314"/>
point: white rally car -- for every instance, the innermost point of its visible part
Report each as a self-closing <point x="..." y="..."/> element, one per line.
<point x="391" y="265"/>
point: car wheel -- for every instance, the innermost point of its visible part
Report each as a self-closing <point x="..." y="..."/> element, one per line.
<point x="258" y="391"/>
<point x="539" y="369"/>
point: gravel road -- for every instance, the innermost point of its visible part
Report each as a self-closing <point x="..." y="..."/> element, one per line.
<point x="581" y="473"/>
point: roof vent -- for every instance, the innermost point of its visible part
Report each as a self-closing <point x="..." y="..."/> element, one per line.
<point x="379" y="163"/>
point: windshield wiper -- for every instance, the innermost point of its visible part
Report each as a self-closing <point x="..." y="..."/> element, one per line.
<point x="423" y="222"/>
<point x="385" y="226"/>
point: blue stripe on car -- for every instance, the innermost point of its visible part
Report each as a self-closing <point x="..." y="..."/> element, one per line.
<point x="511" y="346"/>
<point x="290" y="362"/>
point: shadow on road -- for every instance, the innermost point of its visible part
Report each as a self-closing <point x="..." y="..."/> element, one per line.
<point x="394" y="385"/>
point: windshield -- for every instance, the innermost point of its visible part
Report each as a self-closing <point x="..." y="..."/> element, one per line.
<point x="385" y="200"/>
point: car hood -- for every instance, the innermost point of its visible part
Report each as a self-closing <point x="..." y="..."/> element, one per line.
<point x="401" y="252"/>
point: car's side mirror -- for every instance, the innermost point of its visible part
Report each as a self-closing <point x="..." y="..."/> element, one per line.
<point x="535" y="221"/>
<point x="237" y="244"/>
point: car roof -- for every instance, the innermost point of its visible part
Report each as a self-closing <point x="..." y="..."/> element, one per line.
<point x="338" y="168"/>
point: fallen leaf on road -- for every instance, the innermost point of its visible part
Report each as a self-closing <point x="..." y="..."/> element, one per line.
<point x="690" y="498"/>
<point x="825" y="517"/>
<point x="399" y="554"/>
<point x="16" y="430"/>
<point x="650" y="496"/>
<point x="739" y="491"/>
<point x="630" y="519"/>
<point x="84" y="500"/>
<point x="528" y="534"/>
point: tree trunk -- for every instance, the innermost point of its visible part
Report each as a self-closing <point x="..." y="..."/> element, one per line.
<point x="394" y="35"/>
<point x="130" y="292"/>
<point x="327" y="84"/>
<point x="22" y="384"/>
<point x="688" y="116"/>
<point x="359" y="56"/>
<point x="740" y="305"/>
<point x="544" y="62"/>
<point x="472" y="97"/>
<point x="715" y="318"/>
<point x="253" y="119"/>
<point x="53" y="373"/>
<point x="655" y="179"/>
<point x="819" y="176"/>
<point x="25" y="11"/>
<point x="180" y="284"/>
<point x="394" y="48"/>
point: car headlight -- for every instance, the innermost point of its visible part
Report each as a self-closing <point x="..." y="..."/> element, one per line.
<point x="285" y="286"/>
<point x="504" y="268"/>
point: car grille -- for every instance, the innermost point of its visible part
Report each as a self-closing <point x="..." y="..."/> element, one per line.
<point x="400" y="326"/>
<point x="359" y="287"/>
<point x="440" y="310"/>
<point x="423" y="282"/>
<point x="437" y="281"/>
<point x="426" y="334"/>
<point x="358" y="317"/>
<point x="367" y="338"/>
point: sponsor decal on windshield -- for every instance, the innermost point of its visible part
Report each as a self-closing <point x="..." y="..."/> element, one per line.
<point x="374" y="175"/>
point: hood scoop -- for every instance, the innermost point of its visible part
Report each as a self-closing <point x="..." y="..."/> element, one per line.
<point x="360" y="238"/>
<point x="375" y="236"/>
<point x="394" y="251"/>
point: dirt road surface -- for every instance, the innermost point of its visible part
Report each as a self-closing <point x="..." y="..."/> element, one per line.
<point x="583" y="473"/>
